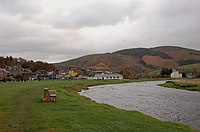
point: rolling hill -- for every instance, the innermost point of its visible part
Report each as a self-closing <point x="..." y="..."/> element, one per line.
<point x="191" y="67"/>
<point x="136" y="60"/>
<point x="110" y="62"/>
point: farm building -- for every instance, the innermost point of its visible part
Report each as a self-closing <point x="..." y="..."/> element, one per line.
<point x="176" y="74"/>
<point x="106" y="76"/>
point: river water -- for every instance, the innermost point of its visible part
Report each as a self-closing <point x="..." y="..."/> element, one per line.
<point x="163" y="103"/>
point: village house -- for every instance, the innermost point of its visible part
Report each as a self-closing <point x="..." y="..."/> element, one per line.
<point x="3" y="73"/>
<point x="41" y="74"/>
<point x="190" y="75"/>
<point x="14" y="72"/>
<point x="27" y="73"/>
<point x="11" y="71"/>
<point x="176" y="74"/>
<point x="72" y="71"/>
<point x="62" y="76"/>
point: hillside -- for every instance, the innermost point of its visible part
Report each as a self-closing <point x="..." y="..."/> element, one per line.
<point x="30" y="64"/>
<point x="191" y="67"/>
<point x="164" y="56"/>
<point x="136" y="60"/>
<point x="182" y="56"/>
<point x="111" y="62"/>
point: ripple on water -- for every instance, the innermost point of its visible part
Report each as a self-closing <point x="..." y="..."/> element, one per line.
<point x="163" y="103"/>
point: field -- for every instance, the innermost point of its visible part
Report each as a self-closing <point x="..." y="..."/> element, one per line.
<point x="192" y="67"/>
<point x="185" y="84"/>
<point x="186" y="68"/>
<point x="22" y="110"/>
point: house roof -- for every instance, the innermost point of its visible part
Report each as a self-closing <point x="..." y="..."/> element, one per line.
<point x="108" y="75"/>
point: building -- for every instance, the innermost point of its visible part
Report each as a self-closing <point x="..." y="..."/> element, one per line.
<point x="3" y="73"/>
<point x="106" y="76"/>
<point x="72" y="73"/>
<point x="16" y="72"/>
<point x="176" y="74"/>
<point x="27" y="73"/>
<point x="42" y="74"/>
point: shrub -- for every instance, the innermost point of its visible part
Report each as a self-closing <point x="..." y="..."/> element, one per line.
<point x="4" y="79"/>
<point x="8" y="79"/>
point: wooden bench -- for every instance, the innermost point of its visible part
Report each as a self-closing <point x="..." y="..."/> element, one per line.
<point x="49" y="95"/>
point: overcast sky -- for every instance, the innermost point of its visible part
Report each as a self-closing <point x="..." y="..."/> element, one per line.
<point x="58" y="30"/>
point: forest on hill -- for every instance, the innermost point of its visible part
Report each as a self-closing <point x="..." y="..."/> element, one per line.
<point x="28" y="64"/>
<point x="136" y="60"/>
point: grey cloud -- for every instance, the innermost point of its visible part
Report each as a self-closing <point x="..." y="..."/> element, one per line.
<point x="97" y="14"/>
<point x="29" y="39"/>
<point x="23" y="8"/>
<point x="181" y="8"/>
<point x="172" y="22"/>
<point x="97" y="27"/>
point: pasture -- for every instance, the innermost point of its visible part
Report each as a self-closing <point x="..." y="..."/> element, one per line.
<point x="21" y="110"/>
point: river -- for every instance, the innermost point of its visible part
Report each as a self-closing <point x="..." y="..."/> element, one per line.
<point x="166" y="104"/>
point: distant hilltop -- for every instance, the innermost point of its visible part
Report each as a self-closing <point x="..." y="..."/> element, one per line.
<point x="127" y="61"/>
<point x="135" y="60"/>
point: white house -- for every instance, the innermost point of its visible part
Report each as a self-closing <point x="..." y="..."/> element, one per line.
<point x="176" y="74"/>
<point x="105" y="76"/>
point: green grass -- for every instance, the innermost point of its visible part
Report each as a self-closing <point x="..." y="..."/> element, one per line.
<point x="186" y="68"/>
<point x="21" y="110"/>
<point x="192" y="67"/>
<point x="181" y="85"/>
<point x="154" y="72"/>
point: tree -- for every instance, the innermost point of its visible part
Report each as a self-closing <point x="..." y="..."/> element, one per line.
<point x="18" y="77"/>
<point x="25" y="65"/>
<point x="165" y="72"/>
<point x="11" y="58"/>
<point x="4" y="79"/>
<point x="125" y="73"/>
<point x="183" y="74"/>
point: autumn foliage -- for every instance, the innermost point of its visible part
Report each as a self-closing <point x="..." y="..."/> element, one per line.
<point x="29" y="64"/>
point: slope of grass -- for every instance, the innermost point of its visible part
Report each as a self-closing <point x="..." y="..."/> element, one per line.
<point x="187" y="68"/>
<point x="21" y="110"/>
<point x="185" y="84"/>
<point x="140" y="52"/>
<point x="154" y="72"/>
<point x="192" y="67"/>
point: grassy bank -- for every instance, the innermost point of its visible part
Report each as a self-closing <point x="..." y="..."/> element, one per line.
<point x="185" y="84"/>
<point x="21" y="110"/>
